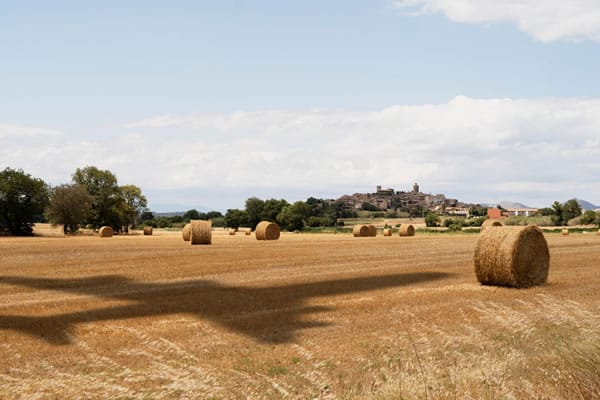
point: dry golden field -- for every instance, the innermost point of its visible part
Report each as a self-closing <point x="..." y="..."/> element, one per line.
<point x="308" y="316"/>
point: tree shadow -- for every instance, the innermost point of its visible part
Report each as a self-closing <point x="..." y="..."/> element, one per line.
<point x="267" y="314"/>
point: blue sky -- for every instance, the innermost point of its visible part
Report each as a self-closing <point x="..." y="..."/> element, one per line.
<point x="205" y="103"/>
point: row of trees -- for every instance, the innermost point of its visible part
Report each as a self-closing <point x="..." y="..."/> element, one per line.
<point x="92" y="198"/>
<point x="310" y="213"/>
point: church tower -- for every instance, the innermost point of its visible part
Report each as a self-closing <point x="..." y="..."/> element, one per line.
<point x="416" y="188"/>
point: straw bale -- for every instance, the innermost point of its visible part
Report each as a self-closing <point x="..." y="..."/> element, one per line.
<point x="185" y="233"/>
<point x="105" y="231"/>
<point x="406" y="230"/>
<point x="512" y="256"/>
<point x="565" y="232"/>
<point x="231" y="231"/>
<point x="147" y="231"/>
<point x="372" y="230"/>
<point x="387" y="232"/>
<point x="490" y="223"/>
<point x="360" y="231"/>
<point x="201" y="232"/>
<point x="266" y="230"/>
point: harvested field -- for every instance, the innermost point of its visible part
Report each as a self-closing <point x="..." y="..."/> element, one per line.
<point x="307" y="316"/>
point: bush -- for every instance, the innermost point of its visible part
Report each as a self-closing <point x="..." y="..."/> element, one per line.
<point x="431" y="220"/>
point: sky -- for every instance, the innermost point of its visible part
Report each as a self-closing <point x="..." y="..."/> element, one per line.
<point x="203" y="104"/>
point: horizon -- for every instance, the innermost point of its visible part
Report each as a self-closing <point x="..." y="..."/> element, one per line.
<point x="204" y="105"/>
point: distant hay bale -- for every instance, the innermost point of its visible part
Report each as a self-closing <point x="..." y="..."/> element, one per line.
<point x="185" y="233"/>
<point x="201" y="232"/>
<point x="147" y="231"/>
<point x="231" y="231"/>
<point x="248" y="233"/>
<point x="512" y="256"/>
<point x="387" y="232"/>
<point x="244" y="229"/>
<point x="105" y="231"/>
<point x="565" y="232"/>
<point x="372" y="230"/>
<point x="406" y="230"/>
<point x="490" y="223"/>
<point x="598" y="233"/>
<point x="266" y="230"/>
<point x="360" y="231"/>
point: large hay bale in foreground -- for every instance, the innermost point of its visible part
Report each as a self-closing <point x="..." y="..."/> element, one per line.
<point x="387" y="232"/>
<point x="406" y="230"/>
<point x="105" y="231"/>
<point x="565" y="232"/>
<point x="372" y="230"/>
<point x="185" y="233"/>
<point x="488" y="223"/>
<point x="147" y="231"/>
<point x="512" y="256"/>
<point x="360" y="231"/>
<point x="266" y="230"/>
<point x="201" y="232"/>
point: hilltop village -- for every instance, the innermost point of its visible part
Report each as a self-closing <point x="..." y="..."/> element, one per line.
<point x="386" y="199"/>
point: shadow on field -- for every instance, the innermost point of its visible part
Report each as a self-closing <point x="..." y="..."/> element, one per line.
<point x="268" y="314"/>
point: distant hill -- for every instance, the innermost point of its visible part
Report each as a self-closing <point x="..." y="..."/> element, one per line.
<point x="507" y="204"/>
<point x="586" y="205"/>
<point x="169" y="214"/>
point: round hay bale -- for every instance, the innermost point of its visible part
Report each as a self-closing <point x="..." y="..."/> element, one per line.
<point x="147" y="231"/>
<point x="372" y="230"/>
<point x="231" y="231"/>
<point x="598" y="233"/>
<point x="201" y="232"/>
<point x="406" y="230"/>
<point x="565" y="232"/>
<point x="248" y="233"/>
<point x="387" y="232"/>
<point x="105" y="231"/>
<point x="266" y="230"/>
<point x="490" y="223"/>
<point x="360" y="231"/>
<point x="185" y="233"/>
<point x="512" y="256"/>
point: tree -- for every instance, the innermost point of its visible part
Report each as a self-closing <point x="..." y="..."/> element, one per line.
<point x="191" y="214"/>
<point x="369" y="207"/>
<point x="557" y="216"/>
<point x="293" y="216"/>
<point x="478" y="211"/>
<point x="234" y="218"/>
<point x="102" y="185"/>
<point x="254" y="209"/>
<point x="571" y="209"/>
<point x="134" y="202"/>
<point x="431" y="220"/>
<point x="589" y="217"/>
<point x="69" y="206"/>
<point x="22" y="201"/>
<point x="272" y="208"/>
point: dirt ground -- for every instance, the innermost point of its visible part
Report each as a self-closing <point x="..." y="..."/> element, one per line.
<point x="307" y="316"/>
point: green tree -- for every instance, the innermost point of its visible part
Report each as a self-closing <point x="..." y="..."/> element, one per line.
<point x="546" y="211"/>
<point x="254" y="209"/>
<point x="69" y="206"/>
<point x="589" y="217"/>
<point x="571" y="209"/>
<point x="272" y="208"/>
<point x="191" y="214"/>
<point x="293" y="216"/>
<point x="557" y="213"/>
<point x="234" y="218"/>
<point x="22" y="201"/>
<point x="431" y="220"/>
<point x="102" y="186"/>
<point x="369" y="207"/>
<point x="478" y="211"/>
<point x="213" y="215"/>
<point x="133" y="203"/>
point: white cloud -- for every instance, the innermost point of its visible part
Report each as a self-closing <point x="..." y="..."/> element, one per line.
<point x="545" y="20"/>
<point x="534" y="151"/>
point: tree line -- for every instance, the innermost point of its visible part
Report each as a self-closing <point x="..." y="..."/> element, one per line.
<point x="296" y="216"/>
<point x="92" y="198"/>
